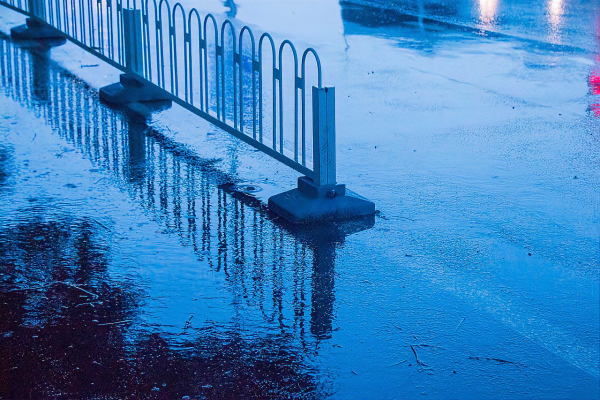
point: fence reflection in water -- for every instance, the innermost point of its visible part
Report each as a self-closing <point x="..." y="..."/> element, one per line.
<point x="287" y="275"/>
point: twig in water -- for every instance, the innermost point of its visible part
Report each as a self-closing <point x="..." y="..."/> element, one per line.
<point x="56" y="283"/>
<point x="90" y="303"/>
<point x="495" y="359"/>
<point x="78" y="288"/>
<point x="188" y="323"/>
<point x="429" y="345"/>
<point x="116" y="323"/>
<point x="419" y="362"/>
<point x="101" y="224"/>
<point x="461" y="321"/>
<point x="398" y="363"/>
<point x="106" y="227"/>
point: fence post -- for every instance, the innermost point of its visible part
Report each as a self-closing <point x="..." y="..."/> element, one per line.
<point x="319" y="197"/>
<point x="131" y="88"/>
<point x="37" y="8"/>
<point x="324" y="135"/>
<point x="132" y="39"/>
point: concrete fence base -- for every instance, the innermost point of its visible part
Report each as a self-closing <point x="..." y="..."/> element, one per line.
<point x="131" y="90"/>
<point x="310" y="202"/>
<point x="34" y="29"/>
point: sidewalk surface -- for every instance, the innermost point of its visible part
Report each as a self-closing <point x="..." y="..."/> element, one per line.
<point x="137" y="259"/>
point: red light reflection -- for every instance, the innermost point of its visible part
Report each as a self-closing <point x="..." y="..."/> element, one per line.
<point x="595" y="79"/>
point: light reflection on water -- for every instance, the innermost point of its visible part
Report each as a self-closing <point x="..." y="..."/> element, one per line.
<point x="488" y="10"/>
<point x="555" y="15"/>
<point x="595" y="76"/>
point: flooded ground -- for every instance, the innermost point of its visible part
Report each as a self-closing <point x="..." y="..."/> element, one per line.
<point x="137" y="258"/>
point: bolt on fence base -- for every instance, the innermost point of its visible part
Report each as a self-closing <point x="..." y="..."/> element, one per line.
<point x="34" y="29"/>
<point x="130" y="89"/>
<point x="310" y="202"/>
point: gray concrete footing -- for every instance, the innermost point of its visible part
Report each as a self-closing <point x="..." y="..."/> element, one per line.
<point x="310" y="202"/>
<point x="33" y="29"/>
<point x="130" y="89"/>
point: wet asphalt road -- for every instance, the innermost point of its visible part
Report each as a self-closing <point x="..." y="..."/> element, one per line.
<point x="134" y="262"/>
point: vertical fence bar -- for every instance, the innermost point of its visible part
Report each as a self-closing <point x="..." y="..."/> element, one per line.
<point x="134" y="56"/>
<point x="324" y="135"/>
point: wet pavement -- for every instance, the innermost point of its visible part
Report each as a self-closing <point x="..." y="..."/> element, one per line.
<point x="138" y="260"/>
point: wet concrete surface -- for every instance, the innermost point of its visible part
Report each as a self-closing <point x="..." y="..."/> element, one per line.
<point x="138" y="259"/>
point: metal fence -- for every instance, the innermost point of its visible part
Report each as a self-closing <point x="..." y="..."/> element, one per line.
<point x="230" y="79"/>
<point x="289" y="278"/>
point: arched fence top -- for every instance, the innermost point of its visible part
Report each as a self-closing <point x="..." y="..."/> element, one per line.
<point x="312" y="51"/>
<point x="215" y="26"/>
<point x="160" y="12"/>
<point x="231" y="30"/>
<point x="175" y="8"/>
<point x="241" y="38"/>
<point x="294" y="52"/>
<point x="239" y="99"/>
<point x="195" y="12"/>
<point x="271" y="41"/>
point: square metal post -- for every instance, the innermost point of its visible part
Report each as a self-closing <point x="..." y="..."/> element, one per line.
<point x="37" y="9"/>
<point x="132" y="39"/>
<point x="324" y="135"/>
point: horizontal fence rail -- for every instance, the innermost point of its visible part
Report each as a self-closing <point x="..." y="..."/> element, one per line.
<point x="251" y="88"/>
